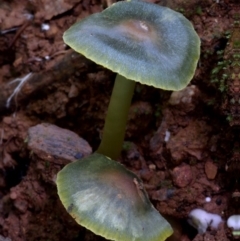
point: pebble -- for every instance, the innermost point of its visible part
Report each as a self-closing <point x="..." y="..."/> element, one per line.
<point x="50" y="142"/>
<point x="73" y="92"/>
<point x="7" y="120"/>
<point x="182" y="175"/>
<point x="21" y="205"/>
<point x="13" y="195"/>
<point x="210" y="170"/>
<point x="152" y="167"/>
<point x="160" y="195"/>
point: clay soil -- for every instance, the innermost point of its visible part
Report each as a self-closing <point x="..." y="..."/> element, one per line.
<point x="178" y="147"/>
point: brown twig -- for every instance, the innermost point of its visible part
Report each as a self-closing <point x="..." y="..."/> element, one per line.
<point x="18" y="33"/>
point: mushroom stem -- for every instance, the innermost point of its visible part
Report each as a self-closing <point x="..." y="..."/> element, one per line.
<point x="116" y="119"/>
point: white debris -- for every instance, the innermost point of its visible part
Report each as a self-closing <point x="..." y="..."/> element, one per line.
<point x="184" y="96"/>
<point x="201" y="220"/>
<point x="152" y="167"/>
<point x="18" y="88"/>
<point x="208" y="199"/>
<point x="234" y="222"/>
<point x="28" y="16"/>
<point x="47" y="57"/>
<point x="9" y="30"/>
<point x="167" y="136"/>
<point x="45" y="27"/>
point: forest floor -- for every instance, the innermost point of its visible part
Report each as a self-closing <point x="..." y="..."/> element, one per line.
<point x="179" y="147"/>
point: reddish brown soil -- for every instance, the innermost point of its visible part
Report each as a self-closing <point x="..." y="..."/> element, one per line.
<point x="70" y="92"/>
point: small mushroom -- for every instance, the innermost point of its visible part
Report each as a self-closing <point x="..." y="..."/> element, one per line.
<point x="233" y="222"/>
<point x="141" y="42"/>
<point x="201" y="220"/>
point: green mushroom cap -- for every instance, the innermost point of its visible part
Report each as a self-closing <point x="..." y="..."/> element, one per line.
<point x="236" y="233"/>
<point x="108" y="199"/>
<point x="142" y="41"/>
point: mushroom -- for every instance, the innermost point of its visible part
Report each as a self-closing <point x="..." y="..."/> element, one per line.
<point x="201" y="220"/>
<point x="233" y="223"/>
<point x="108" y="199"/>
<point x="141" y="42"/>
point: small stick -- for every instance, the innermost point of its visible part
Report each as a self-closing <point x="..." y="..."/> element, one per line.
<point x="20" y="30"/>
